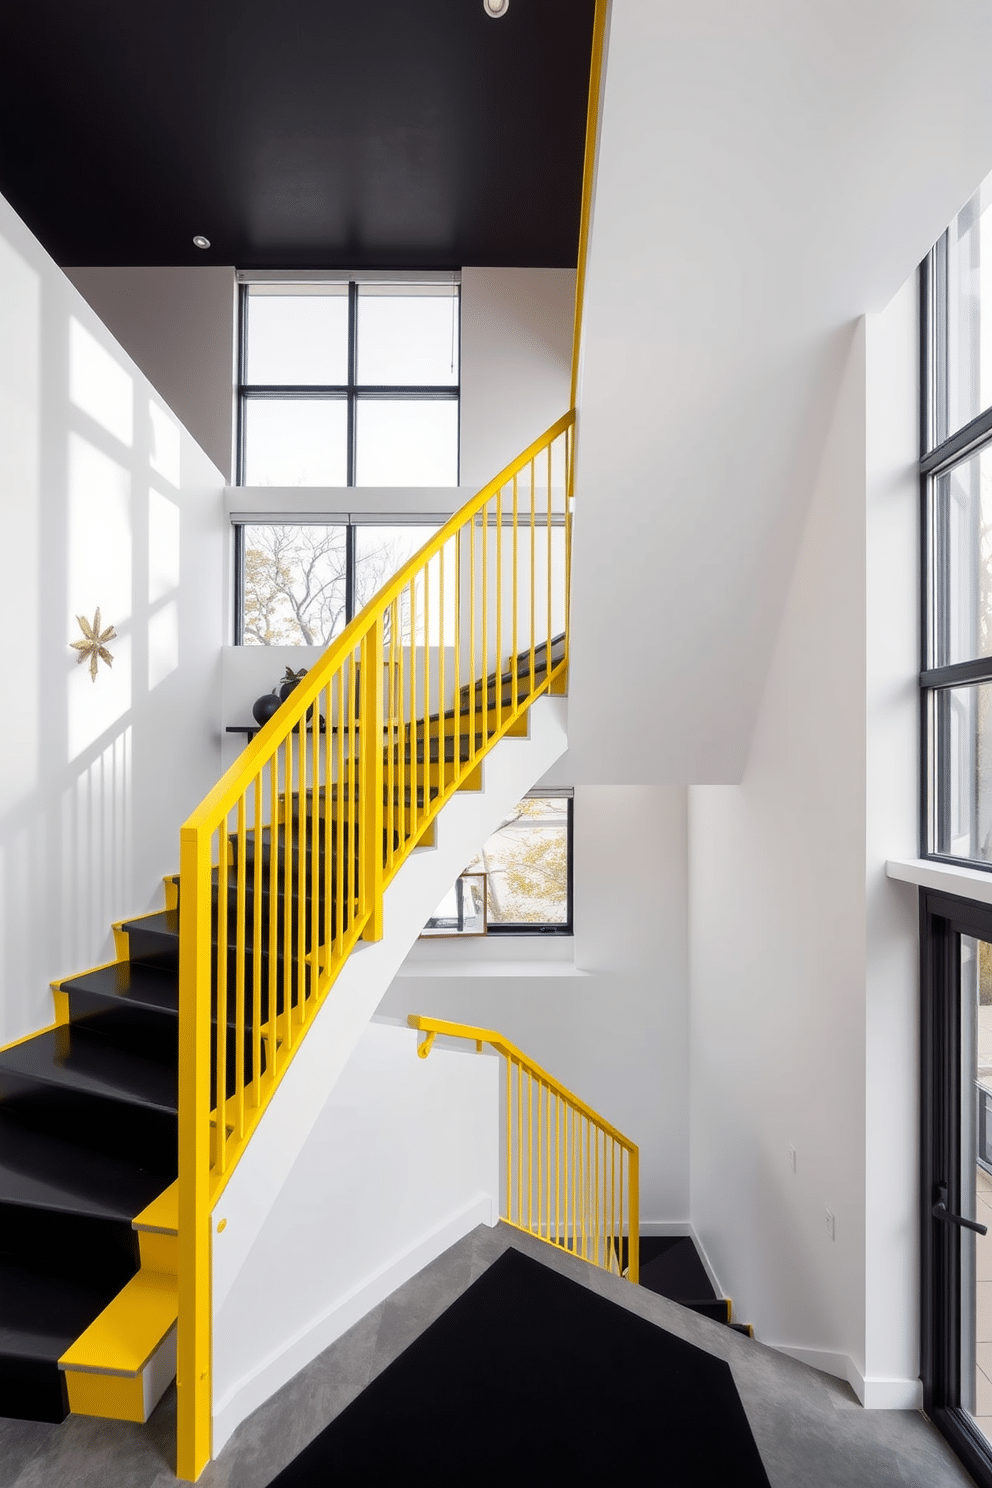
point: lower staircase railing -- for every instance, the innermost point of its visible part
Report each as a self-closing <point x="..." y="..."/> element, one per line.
<point x="284" y="865"/>
<point x="570" y="1178"/>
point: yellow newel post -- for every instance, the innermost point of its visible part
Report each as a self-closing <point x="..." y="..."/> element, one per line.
<point x="193" y="1392"/>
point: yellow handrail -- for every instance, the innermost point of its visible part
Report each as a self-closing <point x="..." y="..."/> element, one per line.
<point x="567" y="1170"/>
<point x="588" y="178"/>
<point x="284" y="864"/>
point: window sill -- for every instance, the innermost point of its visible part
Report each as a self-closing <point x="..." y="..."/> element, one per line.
<point x="493" y="956"/>
<point x="951" y="878"/>
<point x="481" y="968"/>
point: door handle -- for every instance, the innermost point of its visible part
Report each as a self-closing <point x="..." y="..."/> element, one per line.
<point x="940" y="1211"/>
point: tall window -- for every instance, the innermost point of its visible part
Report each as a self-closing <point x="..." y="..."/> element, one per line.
<point x="349" y="383"/>
<point x="957" y="538"/>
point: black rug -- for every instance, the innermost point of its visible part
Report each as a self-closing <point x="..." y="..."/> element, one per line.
<point x="528" y="1377"/>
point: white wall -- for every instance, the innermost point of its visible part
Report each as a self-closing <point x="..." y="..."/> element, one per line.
<point x="107" y="502"/>
<point x="777" y="948"/>
<point x="516" y="344"/>
<point x="402" y="1161"/>
<point x="892" y="1093"/>
<point x="804" y="1000"/>
<point x="179" y="326"/>
<point x="606" y="1014"/>
<point x="516" y="353"/>
<point x="793" y="169"/>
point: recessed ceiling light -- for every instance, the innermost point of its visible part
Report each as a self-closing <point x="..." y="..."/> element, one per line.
<point x="200" y="241"/>
<point x="496" y="8"/>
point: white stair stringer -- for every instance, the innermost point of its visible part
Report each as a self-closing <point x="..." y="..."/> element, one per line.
<point x="246" y="1360"/>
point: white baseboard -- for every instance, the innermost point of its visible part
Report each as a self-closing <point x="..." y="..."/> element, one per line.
<point x="272" y="1373"/>
<point x="886" y="1394"/>
<point x="874" y="1393"/>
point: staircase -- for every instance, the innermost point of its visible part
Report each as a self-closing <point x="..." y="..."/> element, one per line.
<point x="671" y="1267"/>
<point x="310" y="868"/>
<point x="88" y="1113"/>
<point x="88" y="1109"/>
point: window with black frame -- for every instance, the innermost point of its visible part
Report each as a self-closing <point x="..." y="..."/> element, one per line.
<point x="956" y="680"/>
<point x="349" y="383"/>
<point x="300" y="581"/>
<point x="521" y="881"/>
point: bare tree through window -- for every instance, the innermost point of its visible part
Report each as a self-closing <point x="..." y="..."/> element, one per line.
<point x="526" y="861"/>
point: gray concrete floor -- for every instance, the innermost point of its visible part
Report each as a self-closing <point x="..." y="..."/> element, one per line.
<point x="809" y="1428"/>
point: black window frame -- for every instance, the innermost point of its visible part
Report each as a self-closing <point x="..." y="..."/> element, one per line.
<point x="352" y="391"/>
<point x="937" y="457"/>
<point x="537" y="927"/>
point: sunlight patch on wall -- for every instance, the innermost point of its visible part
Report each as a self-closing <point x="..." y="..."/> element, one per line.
<point x="163" y="644"/>
<point x="163" y="546"/>
<point x="97" y="865"/>
<point x="20" y="437"/>
<point x="165" y="446"/>
<point x="99" y="385"/>
<point x="27" y="1002"/>
<point x="99" y="574"/>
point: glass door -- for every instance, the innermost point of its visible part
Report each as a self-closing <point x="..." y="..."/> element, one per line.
<point x="976" y="1180"/>
<point x="957" y="1175"/>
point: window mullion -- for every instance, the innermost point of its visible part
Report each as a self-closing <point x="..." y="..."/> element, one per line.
<point x="352" y="378"/>
<point x="349" y="574"/>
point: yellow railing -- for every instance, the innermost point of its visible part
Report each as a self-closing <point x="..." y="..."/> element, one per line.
<point x="570" y="1178"/>
<point x="281" y="868"/>
<point x="284" y="865"/>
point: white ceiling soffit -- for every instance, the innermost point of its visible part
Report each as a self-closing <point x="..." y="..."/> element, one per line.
<point x="768" y="172"/>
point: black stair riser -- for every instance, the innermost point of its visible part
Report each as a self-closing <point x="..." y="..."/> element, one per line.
<point x="141" y="1135"/>
<point x="464" y="757"/>
<point x="129" y="1031"/>
<point x="102" y="1252"/>
<point x="159" y="948"/>
<point x="152" y="946"/>
<point x="143" y="1031"/>
<point x="719" y="1310"/>
<point x="32" y="1389"/>
<point x="116" y="1019"/>
<point x="294" y="886"/>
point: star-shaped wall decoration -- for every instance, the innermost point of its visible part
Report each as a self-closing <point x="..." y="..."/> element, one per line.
<point x="94" y="645"/>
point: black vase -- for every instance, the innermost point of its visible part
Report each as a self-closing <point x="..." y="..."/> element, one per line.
<point x="264" y="707"/>
<point x="290" y="686"/>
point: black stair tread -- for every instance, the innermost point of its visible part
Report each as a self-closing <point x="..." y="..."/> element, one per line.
<point x="671" y="1267"/>
<point x="42" y="1315"/>
<point x="153" y="987"/>
<point x="506" y="701"/>
<point x="505" y="682"/>
<point x="40" y="1171"/>
<point x="464" y="751"/>
<point x="540" y="650"/>
<point x="166" y="922"/>
<point x="73" y="1059"/>
<point x="297" y="840"/>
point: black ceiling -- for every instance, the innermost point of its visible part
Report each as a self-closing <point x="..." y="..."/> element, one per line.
<point x="296" y="133"/>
